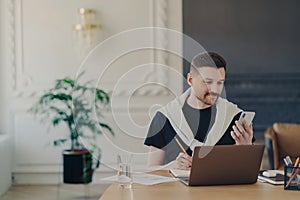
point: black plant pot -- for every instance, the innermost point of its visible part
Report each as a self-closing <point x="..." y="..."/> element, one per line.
<point x="77" y="165"/>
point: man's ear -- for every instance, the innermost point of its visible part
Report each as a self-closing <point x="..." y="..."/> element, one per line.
<point x="189" y="79"/>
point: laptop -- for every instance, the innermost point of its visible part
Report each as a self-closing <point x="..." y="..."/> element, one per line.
<point x="225" y="165"/>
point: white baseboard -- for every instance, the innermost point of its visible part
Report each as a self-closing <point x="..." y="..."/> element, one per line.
<point x="53" y="178"/>
<point x="53" y="175"/>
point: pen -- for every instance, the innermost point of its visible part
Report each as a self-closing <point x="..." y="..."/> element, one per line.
<point x="286" y="162"/>
<point x="288" y="159"/>
<point x="179" y="144"/>
<point x="295" y="165"/>
<point x="294" y="173"/>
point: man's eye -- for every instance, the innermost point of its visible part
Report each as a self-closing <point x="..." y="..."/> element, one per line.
<point x="220" y="83"/>
<point x="208" y="82"/>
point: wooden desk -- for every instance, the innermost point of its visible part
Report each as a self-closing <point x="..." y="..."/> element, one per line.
<point x="177" y="190"/>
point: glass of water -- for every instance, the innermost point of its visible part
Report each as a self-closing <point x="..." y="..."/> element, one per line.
<point x="125" y="171"/>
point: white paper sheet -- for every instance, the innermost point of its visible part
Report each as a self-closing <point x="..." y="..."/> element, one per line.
<point x="144" y="179"/>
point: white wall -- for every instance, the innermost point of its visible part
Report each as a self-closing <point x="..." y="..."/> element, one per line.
<point x="5" y="137"/>
<point x="3" y="70"/>
<point x="40" y="40"/>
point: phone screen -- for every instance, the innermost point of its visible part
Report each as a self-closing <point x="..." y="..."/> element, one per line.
<point x="248" y="116"/>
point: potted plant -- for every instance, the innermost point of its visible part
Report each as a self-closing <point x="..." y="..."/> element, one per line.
<point x="67" y="103"/>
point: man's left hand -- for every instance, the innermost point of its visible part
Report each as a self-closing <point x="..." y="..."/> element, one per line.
<point x="242" y="134"/>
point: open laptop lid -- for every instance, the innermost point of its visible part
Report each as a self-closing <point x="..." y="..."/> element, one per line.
<point x="226" y="164"/>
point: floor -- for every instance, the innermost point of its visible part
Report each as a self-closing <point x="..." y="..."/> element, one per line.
<point x="55" y="192"/>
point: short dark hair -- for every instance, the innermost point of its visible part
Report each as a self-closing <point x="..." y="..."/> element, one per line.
<point x="207" y="59"/>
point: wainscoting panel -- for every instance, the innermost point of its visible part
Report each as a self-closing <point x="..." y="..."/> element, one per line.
<point x="274" y="97"/>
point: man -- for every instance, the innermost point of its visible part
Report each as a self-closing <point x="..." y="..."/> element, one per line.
<point x="198" y="117"/>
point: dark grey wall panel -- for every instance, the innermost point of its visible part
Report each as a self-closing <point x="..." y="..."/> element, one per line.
<point x="274" y="97"/>
<point x="253" y="35"/>
<point x="260" y="41"/>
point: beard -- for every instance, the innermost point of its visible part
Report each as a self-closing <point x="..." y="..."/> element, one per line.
<point x="209" y="98"/>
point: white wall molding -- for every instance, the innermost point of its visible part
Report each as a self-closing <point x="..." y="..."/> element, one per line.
<point x="149" y="91"/>
<point x="22" y="83"/>
<point x="159" y="18"/>
<point x="25" y="83"/>
<point x="12" y="42"/>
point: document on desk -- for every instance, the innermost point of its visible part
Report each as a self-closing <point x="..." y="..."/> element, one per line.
<point x="180" y="173"/>
<point x="145" y="179"/>
<point x="151" y="179"/>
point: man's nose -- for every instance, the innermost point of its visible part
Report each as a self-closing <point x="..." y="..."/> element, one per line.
<point x="214" y="88"/>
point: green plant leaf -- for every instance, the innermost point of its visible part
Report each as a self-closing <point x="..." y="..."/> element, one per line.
<point x="102" y="96"/>
<point x="56" y="121"/>
<point x="66" y="103"/>
<point x="59" y="142"/>
<point x="107" y="127"/>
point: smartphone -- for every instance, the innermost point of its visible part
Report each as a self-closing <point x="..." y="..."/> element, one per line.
<point x="248" y="116"/>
